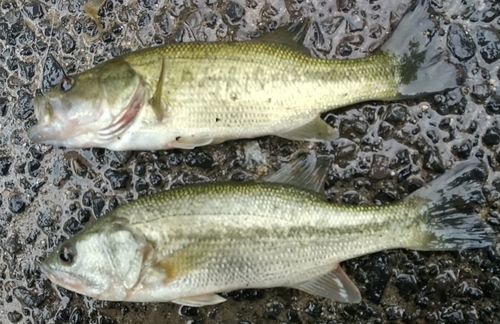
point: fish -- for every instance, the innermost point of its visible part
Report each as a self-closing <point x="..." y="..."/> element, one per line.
<point x="187" y="95"/>
<point x="188" y="244"/>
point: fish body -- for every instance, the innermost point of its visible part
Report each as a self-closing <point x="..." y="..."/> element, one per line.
<point x="187" y="244"/>
<point x="194" y="94"/>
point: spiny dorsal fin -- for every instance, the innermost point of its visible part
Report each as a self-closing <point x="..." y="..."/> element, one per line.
<point x="292" y="36"/>
<point x="308" y="172"/>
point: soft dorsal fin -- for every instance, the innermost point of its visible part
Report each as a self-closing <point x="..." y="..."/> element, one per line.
<point x="292" y="36"/>
<point x="308" y="172"/>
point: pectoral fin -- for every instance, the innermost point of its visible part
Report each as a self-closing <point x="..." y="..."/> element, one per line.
<point x="334" y="285"/>
<point x="190" y="142"/>
<point x="316" y="130"/>
<point x="180" y="263"/>
<point x="200" y="301"/>
<point x="157" y="103"/>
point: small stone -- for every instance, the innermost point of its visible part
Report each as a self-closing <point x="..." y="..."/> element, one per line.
<point x="149" y="4"/>
<point x="14" y="317"/>
<point x="72" y="226"/>
<point x="234" y="12"/>
<point x="351" y="197"/>
<point x="380" y="167"/>
<point x="493" y="106"/>
<point x="460" y="44"/>
<point x="199" y="159"/>
<point x="5" y="163"/>
<point x="189" y="311"/>
<point x="34" y="10"/>
<point x="175" y="158"/>
<point x="377" y="275"/>
<point x="45" y="219"/>
<point x="292" y="316"/>
<point x="68" y="44"/>
<point x="76" y="316"/>
<point x="407" y="284"/>
<point x="118" y="178"/>
<point x="3" y="106"/>
<point x="13" y="244"/>
<point x="404" y="173"/>
<point x="98" y="204"/>
<point x="33" y="168"/>
<point x="475" y="293"/>
<point x="273" y="310"/>
<point x="16" y="204"/>
<point x="313" y="309"/>
<point x="24" y="108"/>
<point x="31" y="300"/>
<point x="155" y="179"/>
<point x="52" y="73"/>
<point x="463" y="151"/>
<point x="443" y="281"/>
<point x="491" y="136"/>
<point x="433" y="161"/>
<point x="480" y="92"/>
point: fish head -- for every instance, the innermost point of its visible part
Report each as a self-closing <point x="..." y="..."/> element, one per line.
<point x="104" y="264"/>
<point x="89" y="109"/>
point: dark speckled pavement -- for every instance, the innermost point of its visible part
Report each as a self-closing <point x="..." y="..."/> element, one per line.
<point x="386" y="151"/>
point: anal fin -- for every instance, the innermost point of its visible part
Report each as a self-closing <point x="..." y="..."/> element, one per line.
<point x="308" y="172"/>
<point x="200" y="300"/>
<point x="316" y="130"/>
<point x="334" y="285"/>
<point x="190" y="142"/>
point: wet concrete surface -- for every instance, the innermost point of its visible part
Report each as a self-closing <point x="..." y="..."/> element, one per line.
<point x="386" y="151"/>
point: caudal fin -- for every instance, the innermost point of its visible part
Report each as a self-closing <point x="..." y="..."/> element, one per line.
<point x="449" y="220"/>
<point x="424" y="63"/>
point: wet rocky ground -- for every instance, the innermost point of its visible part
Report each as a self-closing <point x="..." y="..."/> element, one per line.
<point x="386" y="151"/>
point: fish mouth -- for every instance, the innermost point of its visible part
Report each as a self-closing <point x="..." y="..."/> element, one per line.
<point x="55" y="129"/>
<point x="61" y="280"/>
<point x="48" y="130"/>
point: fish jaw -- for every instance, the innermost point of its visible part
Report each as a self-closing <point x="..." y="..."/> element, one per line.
<point x="100" y="129"/>
<point x="65" y="281"/>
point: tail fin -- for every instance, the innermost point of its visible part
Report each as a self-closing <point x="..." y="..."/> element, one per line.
<point x="424" y="63"/>
<point x="450" y="222"/>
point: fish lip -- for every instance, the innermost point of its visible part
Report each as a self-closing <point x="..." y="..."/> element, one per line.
<point x="61" y="280"/>
<point x="42" y="134"/>
<point x="44" y="131"/>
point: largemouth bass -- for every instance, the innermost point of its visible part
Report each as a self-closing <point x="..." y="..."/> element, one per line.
<point x="194" y="94"/>
<point x="187" y="244"/>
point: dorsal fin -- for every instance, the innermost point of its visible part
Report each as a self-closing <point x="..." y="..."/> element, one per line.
<point x="292" y="36"/>
<point x="308" y="172"/>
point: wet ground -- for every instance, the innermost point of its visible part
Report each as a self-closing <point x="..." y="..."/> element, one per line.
<point x="386" y="151"/>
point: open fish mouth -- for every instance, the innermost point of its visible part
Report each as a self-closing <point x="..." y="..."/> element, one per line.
<point x="61" y="280"/>
<point x="55" y="128"/>
<point x="47" y="130"/>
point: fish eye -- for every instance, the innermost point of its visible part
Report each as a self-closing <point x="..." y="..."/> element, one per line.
<point x="67" y="83"/>
<point x="67" y="254"/>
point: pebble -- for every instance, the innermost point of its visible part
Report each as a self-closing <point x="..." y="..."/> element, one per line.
<point x="16" y="204"/>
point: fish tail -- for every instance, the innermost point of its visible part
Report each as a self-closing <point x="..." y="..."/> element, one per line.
<point x="449" y="221"/>
<point x="423" y="62"/>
